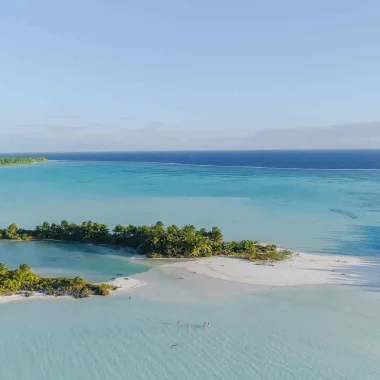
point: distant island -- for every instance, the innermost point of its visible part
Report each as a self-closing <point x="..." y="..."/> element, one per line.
<point x="24" y="281"/>
<point x="7" y="161"/>
<point x="153" y="241"/>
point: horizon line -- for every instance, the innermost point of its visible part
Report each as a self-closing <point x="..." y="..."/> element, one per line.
<point x="196" y="151"/>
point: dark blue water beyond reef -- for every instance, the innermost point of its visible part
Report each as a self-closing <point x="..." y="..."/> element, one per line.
<point x="312" y="159"/>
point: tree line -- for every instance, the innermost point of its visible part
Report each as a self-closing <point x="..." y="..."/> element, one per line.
<point x="21" y="160"/>
<point x="156" y="241"/>
<point x="23" y="280"/>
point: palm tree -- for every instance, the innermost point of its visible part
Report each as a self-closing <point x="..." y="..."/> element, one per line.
<point x="25" y="268"/>
<point x="11" y="284"/>
<point x="12" y="232"/>
<point x="216" y="235"/>
<point x="3" y="269"/>
<point x="43" y="231"/>
<point x="201" y="247"/>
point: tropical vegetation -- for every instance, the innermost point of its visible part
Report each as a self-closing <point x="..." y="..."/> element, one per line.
<point x="24" y="281"/>
<point x="21" y="160"/>
<point x="156" y="241"/>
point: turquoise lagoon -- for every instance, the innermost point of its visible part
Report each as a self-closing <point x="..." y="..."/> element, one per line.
<point x="312" y="210"/>
<point x="53" y="258"/>
<point x="308" y="333"/>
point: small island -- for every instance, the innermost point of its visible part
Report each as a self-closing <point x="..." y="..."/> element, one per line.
<point x="205" y="252"/>
<point x="9" y="161"/>
<point x="155" y="241"/>
<point x="23" y="281"/>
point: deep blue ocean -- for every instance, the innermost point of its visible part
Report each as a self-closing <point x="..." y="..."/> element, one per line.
<point x="316" y="159"/>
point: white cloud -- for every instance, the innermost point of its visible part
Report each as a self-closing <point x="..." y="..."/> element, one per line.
<point x="159" y="136"/>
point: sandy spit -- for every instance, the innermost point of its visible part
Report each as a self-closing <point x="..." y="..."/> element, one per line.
<point x="124" y="284"/>
<point x="301" y="269"/>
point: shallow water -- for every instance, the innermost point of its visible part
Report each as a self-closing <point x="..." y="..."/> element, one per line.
<point x="49" y="258"/>
<point x="310" y="333"/>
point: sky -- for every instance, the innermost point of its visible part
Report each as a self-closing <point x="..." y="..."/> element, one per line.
<point x="103" y="75"/>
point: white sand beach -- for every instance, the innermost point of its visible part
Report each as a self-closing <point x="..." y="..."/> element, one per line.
<point x="20" y="297"/>
<point x="125" y="284"/>
<point x="301" y="269"/>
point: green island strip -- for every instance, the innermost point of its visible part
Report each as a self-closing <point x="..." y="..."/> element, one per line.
<point x="24" y="281"/>
<point x="153" y="241"/>
<point x="7" y="161"/>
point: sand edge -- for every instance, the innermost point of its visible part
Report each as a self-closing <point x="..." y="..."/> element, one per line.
<point x="301" y="269"/>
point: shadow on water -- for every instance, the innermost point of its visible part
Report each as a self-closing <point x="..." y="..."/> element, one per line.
<point x="364" y="241"/>
<point x="345" y="213"/>
<point x="184" y="325"/>
<point x="87" y="248"/>
<point x="364" y="274"/>
<point x="93" y="262"/>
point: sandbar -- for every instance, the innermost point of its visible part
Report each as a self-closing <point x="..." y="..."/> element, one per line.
<point x="301" y="269"/>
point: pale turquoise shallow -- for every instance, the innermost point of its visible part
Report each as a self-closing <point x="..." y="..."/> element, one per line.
<point x="95" y="263"/>
<point x="314" y="333"/>
<point x="299" y="333"/>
